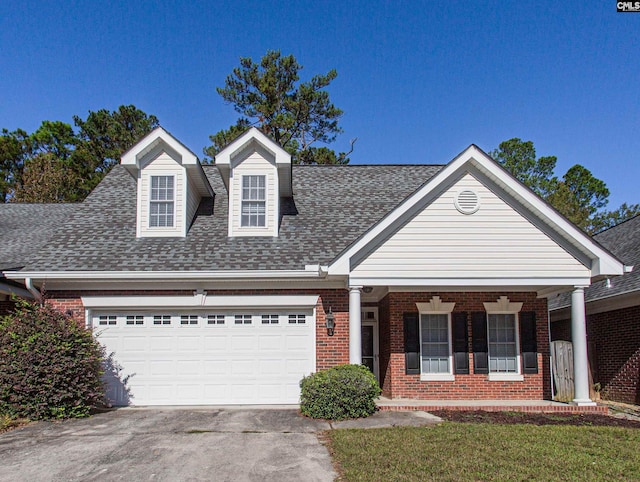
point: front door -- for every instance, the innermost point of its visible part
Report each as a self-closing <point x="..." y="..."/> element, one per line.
<point x="370" y="341"/>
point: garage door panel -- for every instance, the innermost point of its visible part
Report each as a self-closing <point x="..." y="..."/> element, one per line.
<point x="215" y="367"/>
<point x="244" y="342"/>
<point x="187" y="368"/>
<point x="216" y="342"/>
<point x="160" y="342"/>
<point x="217" y="363"/>
<point x="189" y="343"/>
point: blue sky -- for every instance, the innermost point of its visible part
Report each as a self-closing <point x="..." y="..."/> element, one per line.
<point x="418" y="81"/>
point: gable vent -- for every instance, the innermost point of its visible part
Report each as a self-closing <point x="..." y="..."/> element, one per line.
<point x="467" y="202"/>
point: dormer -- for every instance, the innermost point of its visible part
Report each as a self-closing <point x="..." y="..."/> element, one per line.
<point x="171" y="184"/>
<point x="257" y="173"/>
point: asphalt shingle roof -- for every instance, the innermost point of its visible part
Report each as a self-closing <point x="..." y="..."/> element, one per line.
<point x="623" y="241"/>
<point x="25" y="229"/>
<point x="332" y="207"/>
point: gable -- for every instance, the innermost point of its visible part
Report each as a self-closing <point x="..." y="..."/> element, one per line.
<point x="493" y="242"/>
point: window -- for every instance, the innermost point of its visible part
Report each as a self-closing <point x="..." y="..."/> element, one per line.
<point x="270" y="319"/>
<point x="215" y="319"/>
<point x="253" y="201"/>
<point x="162" y="202"/>
<point x="189" y="319"/>
<point x="297" y="319"/>
<point x="162" y="319"/>
<point x="107" y="319"/>
<point x="135" y="320"/>
<point x="435" y="343"/>
<point x="503" y="343"/>
<point x="242" y="319"/>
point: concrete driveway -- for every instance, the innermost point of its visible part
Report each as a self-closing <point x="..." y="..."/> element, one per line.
<point x="170" y="444"/>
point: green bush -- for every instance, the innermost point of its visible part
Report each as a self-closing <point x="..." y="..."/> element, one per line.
<point x="342" y="392"/>
<point x="50" y="366"/>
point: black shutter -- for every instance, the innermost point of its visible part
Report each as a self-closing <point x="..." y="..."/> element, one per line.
<point x="528" y="342"/>
<point x="411" y="343"/>
<point x="480" y="345"/>
<point x="460" y="337"/>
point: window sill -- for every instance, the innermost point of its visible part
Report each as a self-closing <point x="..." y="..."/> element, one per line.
<point x="505" y="377"/>
<point x="437" y="377"/>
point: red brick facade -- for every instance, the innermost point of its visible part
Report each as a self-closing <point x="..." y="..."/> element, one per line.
<point x="614" y="351"/>
<point x="396" y="384"/>
<point x="334" y="350"/>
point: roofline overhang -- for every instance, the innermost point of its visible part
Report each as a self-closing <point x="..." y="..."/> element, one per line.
<point x="11" y="289"/>
<point x="310" y="272"/>
<point x="601" y="261"/>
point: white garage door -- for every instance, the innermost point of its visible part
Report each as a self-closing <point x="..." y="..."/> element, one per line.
<point x="196" y="358"/>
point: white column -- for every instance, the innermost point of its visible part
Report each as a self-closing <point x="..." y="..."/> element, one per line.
<point x="579" y="340"/>
<point x="355" y="326"/>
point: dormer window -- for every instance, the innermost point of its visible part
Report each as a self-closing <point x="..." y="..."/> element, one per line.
<point x="161" y="207"/>
<point x="171" y="185"/>
<point x="253" y="201"/>
<point x="257" y="174"/>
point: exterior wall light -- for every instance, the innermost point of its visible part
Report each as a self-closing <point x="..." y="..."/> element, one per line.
<point x="330" y="322"/>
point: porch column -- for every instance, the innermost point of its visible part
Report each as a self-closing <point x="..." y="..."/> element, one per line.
<point x="355" y="326"/>
<point x="579" y="340"/>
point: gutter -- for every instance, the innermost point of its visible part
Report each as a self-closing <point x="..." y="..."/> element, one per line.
<point x="28" y="283"/>
<point x="317" y="272"/>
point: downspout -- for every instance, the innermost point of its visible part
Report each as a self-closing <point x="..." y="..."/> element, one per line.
<point x="28" y="283"/>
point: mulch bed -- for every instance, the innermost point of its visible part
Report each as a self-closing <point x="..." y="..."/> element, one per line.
<point x="591" y="420"/>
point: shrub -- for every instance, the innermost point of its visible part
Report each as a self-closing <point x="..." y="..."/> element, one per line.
<point x="345" y="391"/>
<point x="50" y="366"/>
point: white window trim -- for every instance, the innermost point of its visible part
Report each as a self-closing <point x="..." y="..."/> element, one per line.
<point x="151" y="201"/>
<point x="436" y="307"/>
<point x="265" y="200"/>
<point x="505" y="307"/>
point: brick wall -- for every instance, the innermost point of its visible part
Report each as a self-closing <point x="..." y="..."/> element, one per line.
<point x="330" y="350"/>
<point x="614" y="351"/>
<point x="397" y="384"/>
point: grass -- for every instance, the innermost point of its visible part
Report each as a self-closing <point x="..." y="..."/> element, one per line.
<point x="466" y="451"/>
<point x="8" y="423"/>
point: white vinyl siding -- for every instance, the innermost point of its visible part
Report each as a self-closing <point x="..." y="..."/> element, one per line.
<point x="161" y="166"/>
<point x="254" y="163"/>
<point x="193" y="201"/>
<point x="503" y="343"/>
<point x="435" y="343"/>
<point x="494" y="242"/>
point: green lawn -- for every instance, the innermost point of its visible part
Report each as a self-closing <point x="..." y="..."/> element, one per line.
<point x="464" y="451"/>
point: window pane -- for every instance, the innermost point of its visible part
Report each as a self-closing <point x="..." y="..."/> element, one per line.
<point x="435" y="343"/>
<point x="162" y="202"/>
<point x="503" y="350"/>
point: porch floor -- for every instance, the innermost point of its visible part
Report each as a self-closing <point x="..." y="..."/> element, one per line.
<point x="537" y="406"/>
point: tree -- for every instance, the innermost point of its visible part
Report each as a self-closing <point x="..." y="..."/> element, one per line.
<point x="46" y="179"/>
<point x="56" y="164"/>
<point x="295" y="114"/>
<point x="13" y="151"/>
<point x="104" y="136"/>
<point x="579" y="196"/>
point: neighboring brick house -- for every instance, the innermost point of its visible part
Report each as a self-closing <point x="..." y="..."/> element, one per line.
<point x="613" y="319"/>
<point x="226" y="284"/>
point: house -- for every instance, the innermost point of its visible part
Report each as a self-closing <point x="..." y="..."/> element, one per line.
<point x="226" y="284"/>
<point x="613" y="319"/>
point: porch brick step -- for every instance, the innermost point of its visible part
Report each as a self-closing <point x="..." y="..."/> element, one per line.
<point x="599" y="409"/>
